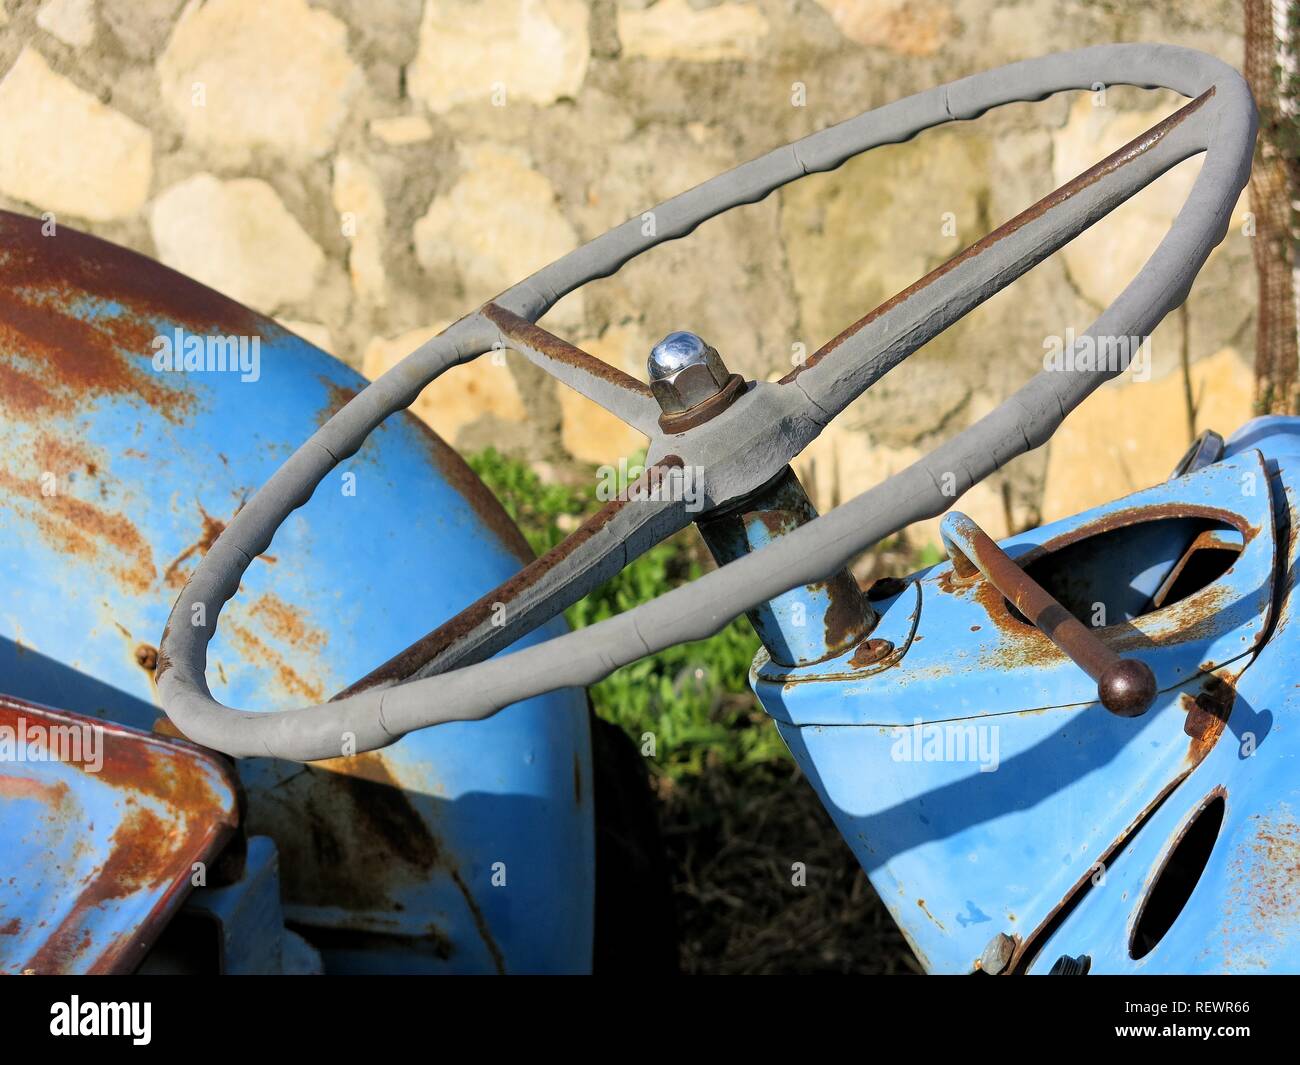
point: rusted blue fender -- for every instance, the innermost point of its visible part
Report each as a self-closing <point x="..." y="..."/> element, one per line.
<point x="104" y="829"/>
<point x="466" y="848"/>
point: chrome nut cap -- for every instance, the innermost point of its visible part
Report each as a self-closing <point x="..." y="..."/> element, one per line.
<point x="684" y="372"/>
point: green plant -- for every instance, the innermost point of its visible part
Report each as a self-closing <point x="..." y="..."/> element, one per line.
<point x="929" y="555"/>
<point x="694" y="699"/>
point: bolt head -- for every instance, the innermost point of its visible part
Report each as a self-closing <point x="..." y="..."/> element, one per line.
<point x="997" y="955"/>
<point x="684" y="372"/>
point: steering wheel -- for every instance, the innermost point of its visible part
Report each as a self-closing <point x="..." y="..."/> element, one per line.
<point x="737" y="446"/>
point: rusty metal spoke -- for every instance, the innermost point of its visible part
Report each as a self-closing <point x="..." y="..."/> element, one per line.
<point x="844" y="367"/>
<point x="621" y="394"/>
<point x="604" y="544"/>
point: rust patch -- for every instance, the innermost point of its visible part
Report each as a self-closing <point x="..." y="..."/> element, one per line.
<point x="66" y="359"/>
<point x="776" y="522"/>
<point x="1136" y="147"/>
<point x="1125" y="687"/>
<point x="254" y="649"/>
<point x="178" y="783"/>
<point x="847" y="617"/>
<point x="62" y="457"/>
<point x="77" y="319"/>
<point x="1207" y="714"/>
<point x="347" y="832"/>
<point x="1265" y="885"/>
<point x="210" y="529"/>
<point x="1023" y="644"/>
<point x="336" y="398"/>
<point x="165" y="726"/>
<point x="78" y="314"/>
<point x="22" y="393"/>
<point x="78" y="528"/>
<point x="140" y="857"/>
<point x="1193" y="618"/>
<point x="870" y="652"/>
<point x="950" y="584"/>
<point x="146" y="657"/>
<point x="11" y="927"/>
<point x="286" y="624"/>
<point x="938" y="924"/>
<point x="52" y="795"/>
<point x="351" y="837"/>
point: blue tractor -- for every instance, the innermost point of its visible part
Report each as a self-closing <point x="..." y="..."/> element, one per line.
<point x="228" y="743"/>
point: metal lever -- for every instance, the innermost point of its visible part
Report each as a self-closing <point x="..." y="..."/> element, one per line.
<point x="1125" y="686"/>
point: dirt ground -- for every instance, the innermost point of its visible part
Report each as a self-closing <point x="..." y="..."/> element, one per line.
<point x="732" y="835"/>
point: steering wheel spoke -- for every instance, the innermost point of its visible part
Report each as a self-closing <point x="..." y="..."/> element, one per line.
<point x="621" y="394"/>
<point x="847" y="365"/>
<point x="622" y="530"/>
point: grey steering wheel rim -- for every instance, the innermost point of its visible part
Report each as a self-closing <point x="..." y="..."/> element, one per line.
<point x="1223" y="128"/>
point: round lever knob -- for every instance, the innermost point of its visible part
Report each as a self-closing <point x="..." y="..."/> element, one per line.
<point x="1127" y="688"/>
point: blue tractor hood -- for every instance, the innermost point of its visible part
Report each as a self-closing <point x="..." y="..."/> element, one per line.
<point x="993" y="801"/>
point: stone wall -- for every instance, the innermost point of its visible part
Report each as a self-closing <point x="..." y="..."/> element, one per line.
<point x="368" y="171"/>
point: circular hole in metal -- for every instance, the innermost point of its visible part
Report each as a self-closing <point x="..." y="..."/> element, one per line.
<point x="1178" y="874"/>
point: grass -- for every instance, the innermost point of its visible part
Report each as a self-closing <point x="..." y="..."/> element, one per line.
<point x="735" y="811"/>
